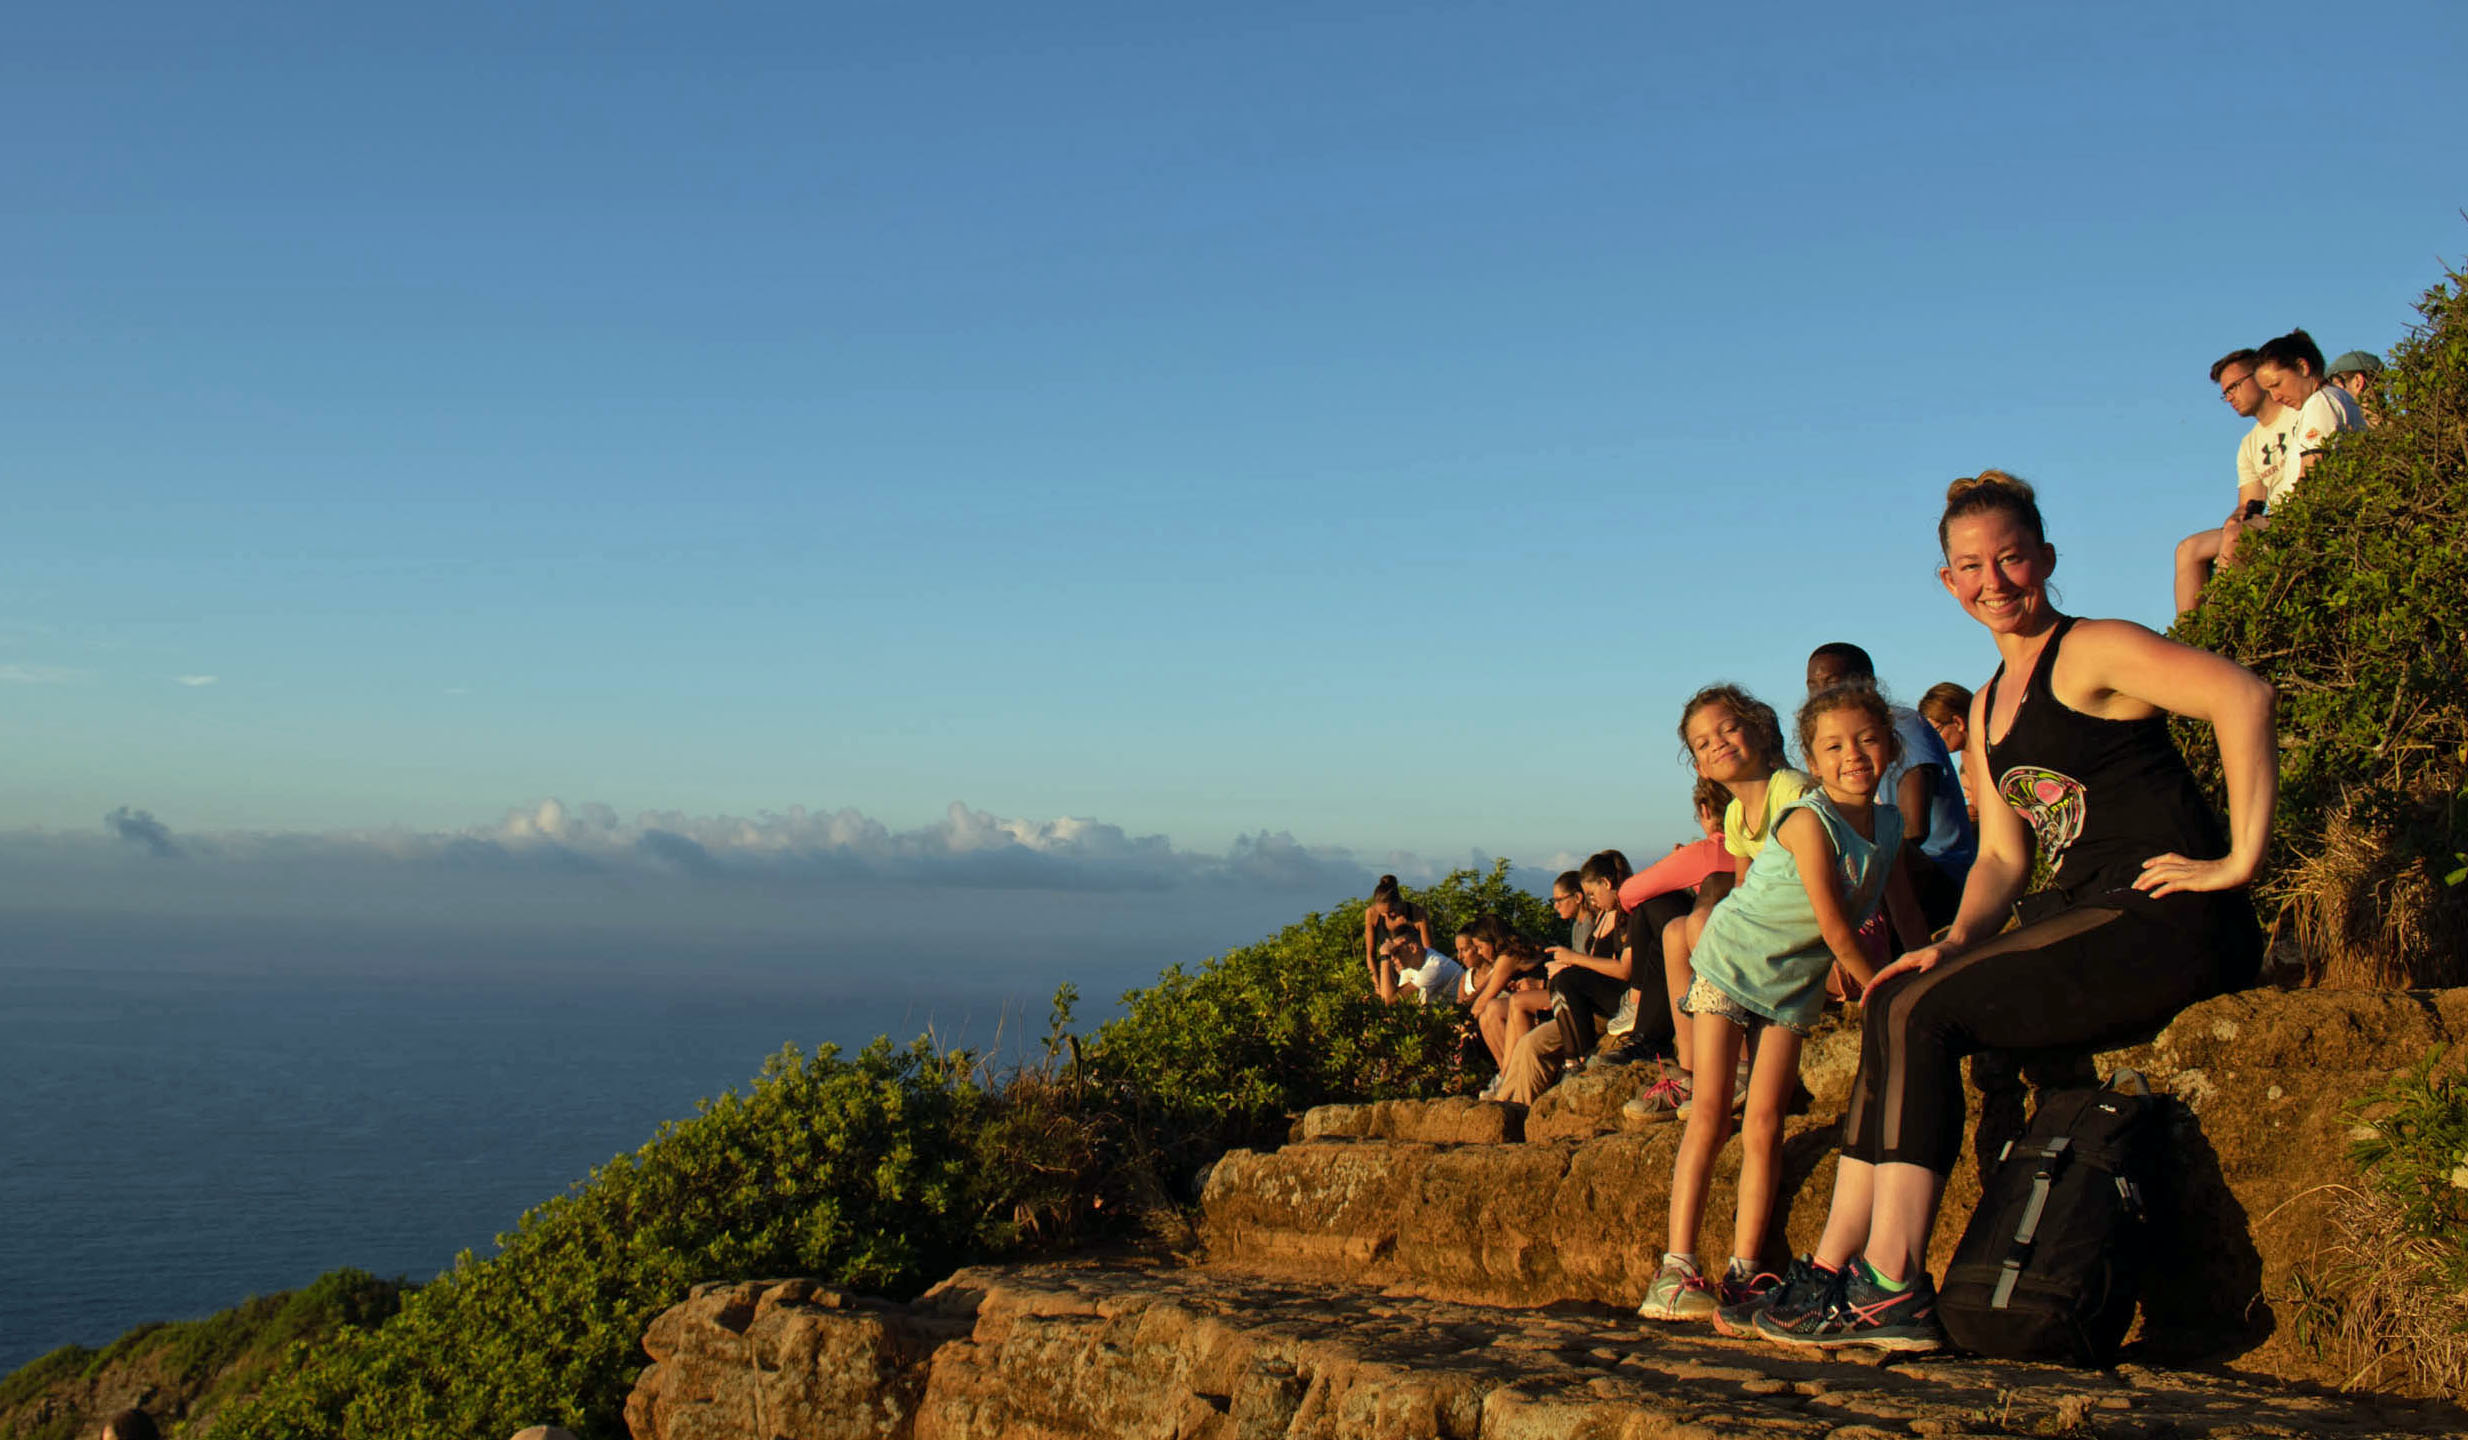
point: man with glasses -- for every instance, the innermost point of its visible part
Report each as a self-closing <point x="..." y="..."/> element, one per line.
<point x="2259" y="457"/>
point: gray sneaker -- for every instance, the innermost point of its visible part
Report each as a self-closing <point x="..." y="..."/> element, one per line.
<point x="1662" y="1100"/>
<point x="1678" y="1293"/>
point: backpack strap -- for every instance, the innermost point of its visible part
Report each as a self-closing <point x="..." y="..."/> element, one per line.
<point x="2052" y="1161"/>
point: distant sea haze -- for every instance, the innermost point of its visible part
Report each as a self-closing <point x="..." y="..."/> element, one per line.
<point x="194" y="1111"/>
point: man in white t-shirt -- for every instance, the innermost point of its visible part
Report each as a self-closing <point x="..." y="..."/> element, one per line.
<point x="1427" y="975"/>
<point x="2259" y="457"/>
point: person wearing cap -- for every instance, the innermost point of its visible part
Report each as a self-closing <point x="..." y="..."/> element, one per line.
<point x="2259" y="456"/>
<point x="2358" y="372"/>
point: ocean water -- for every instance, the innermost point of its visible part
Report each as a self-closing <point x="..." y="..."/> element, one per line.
<point x="195" y="1112"/>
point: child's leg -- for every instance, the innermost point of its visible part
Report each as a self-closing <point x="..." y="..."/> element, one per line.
<point x="1677" y="976"/>
<point x="1772" y="1074"/>
<point x="1717" y="1043"/>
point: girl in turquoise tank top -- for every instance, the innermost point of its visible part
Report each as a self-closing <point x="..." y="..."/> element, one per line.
<point x="1760" y="982"/>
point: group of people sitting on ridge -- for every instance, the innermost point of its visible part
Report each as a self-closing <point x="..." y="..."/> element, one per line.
<point x="2030" y="868"/>
<point x="2297" y="404"/>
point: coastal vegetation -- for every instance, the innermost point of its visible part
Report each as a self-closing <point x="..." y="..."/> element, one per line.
<point x="883" y="1172"/>
<point x="2354" y="603"/>
<point x="189" y="1369"/>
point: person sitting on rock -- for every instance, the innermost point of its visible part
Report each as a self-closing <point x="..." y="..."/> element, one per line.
<point x="2289" y="368"/>
<point x="1568" y="902"/>
<point x="1511" y="993"/>
<point x="1388" y="913"/>
<point x="1947" y="706"/>
<point x="1650" y="901"/>
<point x="1414" y="970"/>
<point x="2138" y="906"/>
<point x="2359" y="372"/>
<point x="1735" y="740"/>
<point x="1584" y="986"/>
<point x="1837" y="857"/>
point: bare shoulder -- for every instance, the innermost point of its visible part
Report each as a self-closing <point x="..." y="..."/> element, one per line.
<point x="2123" y="671"/>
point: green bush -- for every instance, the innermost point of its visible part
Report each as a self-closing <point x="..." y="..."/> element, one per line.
<point x="857" y="1171"/>
<point x="882" y="1173"/>
<point x="190" y="1367"/>
<point x="1222" y="1056"/>
<point x="2355" y="605"/>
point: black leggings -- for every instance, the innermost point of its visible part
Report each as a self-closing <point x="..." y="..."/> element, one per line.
<point x="2114" y="969"/>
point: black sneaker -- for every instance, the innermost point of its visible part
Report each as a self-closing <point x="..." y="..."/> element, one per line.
<point x="1866" y="1313"/>
<point x="1738" y="1296"/>
<point x="1791" y="1310"/>
<point x="1618" y="1050"/>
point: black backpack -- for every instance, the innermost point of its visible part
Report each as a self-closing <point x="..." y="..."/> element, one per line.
<point x="2050" y="1264"/>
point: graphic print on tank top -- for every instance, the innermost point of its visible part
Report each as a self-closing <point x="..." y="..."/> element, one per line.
<point x="2055" y="804"/>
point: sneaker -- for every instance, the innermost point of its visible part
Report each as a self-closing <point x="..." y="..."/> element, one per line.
<point x="1805" y="1289"/>
<point x="1739" y="1295"/>
<point x="1678" y="1293"/>
<point x="1739" y="1091"/>
<point x="1662" y="1100"/>
<point x="1866" y="1313"/>
<point x="1619" y="1050"/>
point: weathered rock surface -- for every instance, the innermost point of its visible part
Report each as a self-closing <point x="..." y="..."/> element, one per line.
<point x="1407" y="1270"/>
<point x="765" y="1358"/>
<point x="1057" y="1351"/>
<point x="1578" y="1213"/>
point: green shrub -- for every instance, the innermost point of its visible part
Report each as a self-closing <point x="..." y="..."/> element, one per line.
<point x="883" y="1174"/>
<point x="1221" y="1056"/>
<point x="858" y="1171"/>
<point x="2355" y="605"/>
<point x="190" y="1368"/>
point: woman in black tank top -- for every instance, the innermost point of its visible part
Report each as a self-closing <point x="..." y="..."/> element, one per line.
<point x="2133" y="890"/>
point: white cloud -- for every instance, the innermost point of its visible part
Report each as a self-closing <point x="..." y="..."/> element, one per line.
<point x="42" y="675"/>
<point x="195" y="681"/>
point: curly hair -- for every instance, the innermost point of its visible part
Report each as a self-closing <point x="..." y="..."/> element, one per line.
<point x="1858" y="695"/>
<point x="1758" y="718"/>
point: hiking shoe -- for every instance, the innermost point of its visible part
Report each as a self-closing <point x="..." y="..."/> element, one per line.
<point x="1738" y="1296"/>
<point x="1866" y="1313"/>
<point x="1618" y="1050"/>
<point x="1678" y="1293"/>
<point x="1662" y="1100"/>
<point x="1806" y="1290"/>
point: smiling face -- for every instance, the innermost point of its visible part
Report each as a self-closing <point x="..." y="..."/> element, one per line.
<point x="1998" y="572"/>
<point x="1720" y="743"/>
<point x="2290" y="385"/>
<point x="1849" y="748"/>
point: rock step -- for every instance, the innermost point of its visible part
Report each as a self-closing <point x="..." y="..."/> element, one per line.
<point x="1429" y="1200"/>
<point x="1047" y="1352"/>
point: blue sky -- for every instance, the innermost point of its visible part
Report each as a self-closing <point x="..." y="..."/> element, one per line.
<point x="1358" y="424"/>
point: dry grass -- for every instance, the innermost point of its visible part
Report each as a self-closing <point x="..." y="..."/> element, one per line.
<point x="2378" y="1302"/>
<point x="2368" y="915"/>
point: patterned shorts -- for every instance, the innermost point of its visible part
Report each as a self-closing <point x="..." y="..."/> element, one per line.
<point x="1704" y="999"/>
